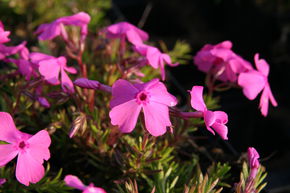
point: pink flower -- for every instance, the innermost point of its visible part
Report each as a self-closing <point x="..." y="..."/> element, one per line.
<point x="222" y="61"/>
<point x="49" y="31"/>
<point x="124" y="30"/>
<point x="31" y="150"/>
<point x="155" y="58"/>
<point x="151" y="97"/>
<point x="253" y="161"/>
<point x="3" y="34"/>
<point x="2" y="181"/>
<point x="254" y="81"/>
<point x="214" y="120"/>
<point x="75" y="182"/>
<point x="50" y="68"/>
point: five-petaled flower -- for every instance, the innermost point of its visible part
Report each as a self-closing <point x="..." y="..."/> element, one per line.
<point x="75" y="182"/>
<point x="254" y="81"/>
<point x="31" y="150"/>
<point x="151" y="97"/>
<point x="214" y="120"/>
<point x="50" y="68"/>
<point x="220" y="60"/>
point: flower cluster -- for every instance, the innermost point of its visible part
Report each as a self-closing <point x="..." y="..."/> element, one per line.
<point x="131" y="97"/>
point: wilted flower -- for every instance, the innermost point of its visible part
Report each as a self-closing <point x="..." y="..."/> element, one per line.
<point x="49" y="31"/>
<point x="253" y="82"/>
<point x="155" y="58"/>
<point x="151" y="97"/>
<point x="31" y="150"/>
<point x="221" y="61"/>
<point x="124" y="30"/>
<point x="75" y="182"/>
<point x="214" y="120"/>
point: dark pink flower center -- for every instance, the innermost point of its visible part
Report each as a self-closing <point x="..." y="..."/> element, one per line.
<point x="22" y="145"/>
<point x="142" y="97"/>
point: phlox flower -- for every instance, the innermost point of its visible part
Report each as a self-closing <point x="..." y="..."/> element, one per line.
<point x="3" y="34"/>
<point x="253" y="161"/>
<point x="151" y="97"/>
<point x="125" y="30"/>
<point x="214" y="120"/>
<point x="155" y="58"/>
<point x="221" y="60"/>
<point x="254" y="81"/>
<point x="32" y="150"/>
<point x="75" y="182"/>
<point x="50" y="68"/>
<point x="49" y="31"/>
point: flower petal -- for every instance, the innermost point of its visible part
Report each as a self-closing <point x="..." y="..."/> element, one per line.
<point x="252" y="83"/>
<point x="7" y="152"/>
<point x="221" y="129"/>
<point x="262" y="65"/>
<point x="125" y="115"/>
<point x="38" y="146"/>
<point x="50" y="70"/>
<point x="197" y="101"/>
<point x="74" y="182"/>
<point x="159" y="94"/>
<point x="156" y="118"/>
<point x="28" y="170"/>
<point x="122" y="91"/>
<point x="8" y="131"/>
<point x="66" y="83"/>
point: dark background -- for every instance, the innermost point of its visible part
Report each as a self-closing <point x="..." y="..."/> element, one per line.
<point x="253" y="26"/>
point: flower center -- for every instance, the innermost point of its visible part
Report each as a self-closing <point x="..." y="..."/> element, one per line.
<point x="22" y="145"/>
<point x="142" y="97"/>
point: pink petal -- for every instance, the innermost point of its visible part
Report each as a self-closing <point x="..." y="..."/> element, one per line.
<point x="221" y="129"/>
<point x="156" y="118"/>
<point x="8" y="131"/>
<point x="71" y="70"/>
<point x="48" y="31"/>
<point x="262" y="65"/>
<point x="38" y="146"/>
<point x="91" y="189"/>
<point x="252" y="83"/>
<point x="197" y="101"/>
<point x="36" y="57"/>
<point x="50" y="70"/>
<point x="159" y="94"/>
<point x="167" y="60"/>
<point x="134" y="37"/>
<point x="122" y="91"/>
<point x="74" y="182"/>
<point x="125" y="115"/>
<point x="7" y="152"/>
<point x="209" y="119"/>
<point x="66" y="83"/>
<point x="28" y="170"/>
